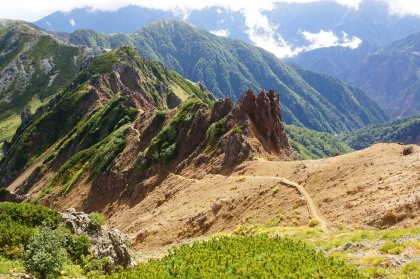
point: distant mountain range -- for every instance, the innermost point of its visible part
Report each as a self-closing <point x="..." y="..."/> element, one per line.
<point x="334" y="61"/>
<point x="371" y="22"/>
<point x="390" y="75"/>
<point x="294" y="28"/>
<point x="229" y="67"/>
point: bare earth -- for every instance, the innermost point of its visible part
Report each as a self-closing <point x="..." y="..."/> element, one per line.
<point x="377" y="187"/>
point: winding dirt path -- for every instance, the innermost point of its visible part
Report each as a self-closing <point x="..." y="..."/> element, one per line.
<point x="136" y="131"/>
<point x="313" y="209"/>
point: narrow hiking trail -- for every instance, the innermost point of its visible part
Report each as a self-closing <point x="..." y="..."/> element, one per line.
<point x="313" y="209"/>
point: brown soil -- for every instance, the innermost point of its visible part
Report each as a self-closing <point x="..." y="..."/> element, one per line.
<point x="376" y="187"/>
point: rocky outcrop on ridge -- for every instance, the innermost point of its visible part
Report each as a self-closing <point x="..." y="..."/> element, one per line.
<point x="253" y="128"/>
<point x="105" y="242"/>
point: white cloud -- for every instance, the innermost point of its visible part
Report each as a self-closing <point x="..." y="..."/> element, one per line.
<point x="263" y="34"/>
<point x="33" y="10"/>
<point x="72" y="22"/>
<point x="404" y="7"/>
<point x="352" y="42"/>
<point x="221" y="32"/>
<point x="329" y="39"/>
<point x="321" y="39"/>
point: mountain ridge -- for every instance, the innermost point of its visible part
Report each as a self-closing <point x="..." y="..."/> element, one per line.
<point x="34" y="66"/>
<point x="387" y="75"/>
<point x="229" y="67"/>
<point x="173" y="121"/>
<point x="368" y="22"/>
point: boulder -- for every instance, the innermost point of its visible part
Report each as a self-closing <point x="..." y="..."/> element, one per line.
<point x="105" y="242"/>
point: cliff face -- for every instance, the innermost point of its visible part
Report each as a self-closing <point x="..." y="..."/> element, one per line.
<point x="263" y="113"/>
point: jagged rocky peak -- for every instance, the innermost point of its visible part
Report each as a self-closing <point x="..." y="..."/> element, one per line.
<point x="233" y="133"/>
<point x="264" y="113"/>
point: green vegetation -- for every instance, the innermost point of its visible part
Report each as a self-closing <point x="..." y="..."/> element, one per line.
<point x="404" y="131"/>
<point x="97" y="219"/>
<point x="78" y="247"/>
<point x="215" y="131"/>
<point x="229" y="68"/>
<point x="49" y="128"/>
<point x="94" y="159"/>
<point x="371" y="261"/>
<point x="94" y="267"/>
<point x="237" y="130"/>
<point x="309" y="144"/>
<point x="163" y="147"/>
<point x="8" y="266"/>
<point x="243" y="257"/>
<point x="32" y="239"/>
<point x="411" y="270"/>
<point x="50" y="63"/>
<point x="190" y="88"/>
<point x="45" y="254"/>
<point x="18" y="223"/>
<point x="392" y="248"/>
<point x="102" y="65"/>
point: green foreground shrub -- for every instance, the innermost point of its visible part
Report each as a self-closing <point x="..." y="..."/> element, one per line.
<point x="97" y="219"/>
<point x="243" y="257"/>
<point x="78" y="247"/>
<point x="45" y="255"/>
<point x="17" y="225"/>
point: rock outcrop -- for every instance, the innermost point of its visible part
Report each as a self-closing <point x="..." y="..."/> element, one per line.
<point x="221" y="138"/>
<point x="26" y="116"/>
<point x="105" y="242"/>
<point x="264" y="119"/>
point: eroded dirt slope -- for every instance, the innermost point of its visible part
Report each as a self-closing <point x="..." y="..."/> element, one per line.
<point x="376" y="187"/>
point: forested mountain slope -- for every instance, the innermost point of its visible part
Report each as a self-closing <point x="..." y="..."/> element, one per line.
<point x="228" y="67"/>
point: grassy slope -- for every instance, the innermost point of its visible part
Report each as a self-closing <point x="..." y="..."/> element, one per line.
<point x="40" y="86"/>
<point x="90" y="141"/>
